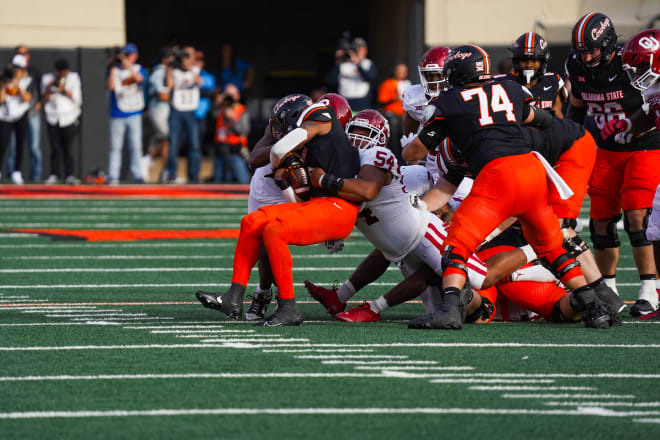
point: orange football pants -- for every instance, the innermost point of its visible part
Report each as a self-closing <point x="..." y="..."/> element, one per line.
<point x="575" y="167"/>
<point x="508" y="186"/>
<point x="535" y="296"/>
<point x="278" y="226"/>
<point x="623" y="181"/>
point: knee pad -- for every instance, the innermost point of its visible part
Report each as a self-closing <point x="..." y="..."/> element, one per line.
<point x="611" y="239"/>
<point x="637" y="238"/>
<point x="453" y="260"/>
<point x="574" y="246"/>
<point x="561" y="265"/>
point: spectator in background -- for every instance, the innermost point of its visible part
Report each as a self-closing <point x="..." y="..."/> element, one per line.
<point x="353" y="73"/>
<point x="34" y="123"/>
<point x="206" y="90"/>
<point x="158" y="111"/>
<point x="389" y="98"/>
<point x="62" y="97"/>
<point x="16" y="91"/>
<point x="183" y="80"/>
<point x="125" y="82"/>
<point x="234" y="70"/>
<point x="231" y="131"/>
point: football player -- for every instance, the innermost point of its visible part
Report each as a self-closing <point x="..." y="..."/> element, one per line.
<point x="264" y="192"/>
<point x="310" y="137"/>
<point x="530" y="56"/>
<point x="402" y="233"/>
<point x="626" y="172"/>
<point x="484" y="117"/>
<point x="641" y="61"/>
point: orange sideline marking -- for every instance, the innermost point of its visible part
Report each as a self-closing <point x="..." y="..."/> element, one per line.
<point x="125" y="191"/>
<point x="133" y="234"/>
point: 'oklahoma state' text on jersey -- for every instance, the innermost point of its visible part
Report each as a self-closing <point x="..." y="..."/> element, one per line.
<point x="483" y="120"/>
<point x="608" y="95"/>
<point x="332" y="152"/>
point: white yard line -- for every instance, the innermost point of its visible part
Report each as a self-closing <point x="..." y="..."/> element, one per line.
<point x="600" y="412"/>
<point x="568" y="396"/>
<point x="529" y="388"/>
<point x="404" y="368"/>
<point x="205" y="331"/>
<point x="166" y="269"/>
<point x="236" y="339"/>
<point x="320" y="350"/>
<point x="352" y="356"/>
<point x="390" y="362"/>
<point x="519" y="381"/>
<point x="601" y="403"/>
<point x="182" y="376"/>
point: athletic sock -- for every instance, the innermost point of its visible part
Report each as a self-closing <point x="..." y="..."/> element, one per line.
<point x="533" y="273"/>
<point x="647" y="289"/>
<point x="610" y="280"/>
<point x="379" y="304"/>
<point x="657" y="287"/>
<point x="345" y="291"/>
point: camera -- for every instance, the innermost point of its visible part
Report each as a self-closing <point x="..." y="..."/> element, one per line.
<point x="6" y="75"/>
<point x="344" y="47"/>
<point x="115" y="56"/>
<point x="227" y="101"/>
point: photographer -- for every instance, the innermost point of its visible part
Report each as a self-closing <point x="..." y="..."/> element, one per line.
<point x="231" y="130"/>
<point x="158" y="111"/>
<point x="16" y="90"/>
<point x="62" y="98"/>
<point x="183" y="80"/>
<point x="125" y="82"/>
<point x="353" y="73"/>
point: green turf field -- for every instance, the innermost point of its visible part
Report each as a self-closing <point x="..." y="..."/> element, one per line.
<point x="106" y="340"/>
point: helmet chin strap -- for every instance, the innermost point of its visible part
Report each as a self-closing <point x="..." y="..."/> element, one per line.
<point x="528" y="75"/>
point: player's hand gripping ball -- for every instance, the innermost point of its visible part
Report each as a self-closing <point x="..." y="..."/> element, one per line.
<point x="295" y="173"/>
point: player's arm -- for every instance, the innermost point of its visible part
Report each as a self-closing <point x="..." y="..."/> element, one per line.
<point x="260" y="154"/>
<point x="536" y="117"/>
<point x="296" y="138"/>
<point x="428" y="139"/>
<point x="364" y="187"/>
<point x="577" y="111"/>
<point x="638" y="123"/>
<point x="438" y="196"/>
<point x="557" y="106"/>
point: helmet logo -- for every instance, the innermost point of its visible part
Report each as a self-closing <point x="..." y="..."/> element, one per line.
<point x="462" y="55"/>
<point x="543" y="44"/>
<point x="649" y="43"/>
<point x="597" y="32"/>
<point x="479" y="65"/>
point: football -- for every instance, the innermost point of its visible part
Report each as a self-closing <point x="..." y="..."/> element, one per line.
<point x="295" y="173"/>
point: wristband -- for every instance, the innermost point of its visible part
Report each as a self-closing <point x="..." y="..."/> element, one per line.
<point x="529" y="252"/>
<point x="331" y="182"/>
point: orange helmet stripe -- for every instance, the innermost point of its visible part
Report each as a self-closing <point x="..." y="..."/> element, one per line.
<point x="486" y="58"/>
<point x="580" y="28"/>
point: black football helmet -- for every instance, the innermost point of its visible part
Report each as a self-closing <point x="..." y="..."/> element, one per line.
<point x="467" y="64"/>
<point x="286" y="113"/>
<point x="594" y="31"/>
<point x="530" y="45"/>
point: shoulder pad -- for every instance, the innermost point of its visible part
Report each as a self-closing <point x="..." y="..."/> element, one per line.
<point x="379" y="157"/>
<point x="414" y="101"/>
<point x="316" y="112"/>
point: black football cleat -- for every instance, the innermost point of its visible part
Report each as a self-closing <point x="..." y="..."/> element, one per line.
<point x="230" y="302"/>
<point x="287" y="313"/>
<point x="450" y="314"/>
<point x="595" y="313"/>
<point x="259" y="306"/>
<point x="609" y="297"/>
<point x="641" y="308"/>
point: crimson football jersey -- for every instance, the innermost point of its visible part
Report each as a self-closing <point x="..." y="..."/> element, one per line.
<point x="607" y="94"/>
<point x="483" y="120"/>
<point x="332" y="152"/>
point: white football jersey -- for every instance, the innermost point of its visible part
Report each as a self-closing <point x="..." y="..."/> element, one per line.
<point x="414" y="102"/>
<point x="389" y="221"/>
<point x="652" y="97"/>
<point x="416" y="179"/>
<point x="263" y="190"/>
